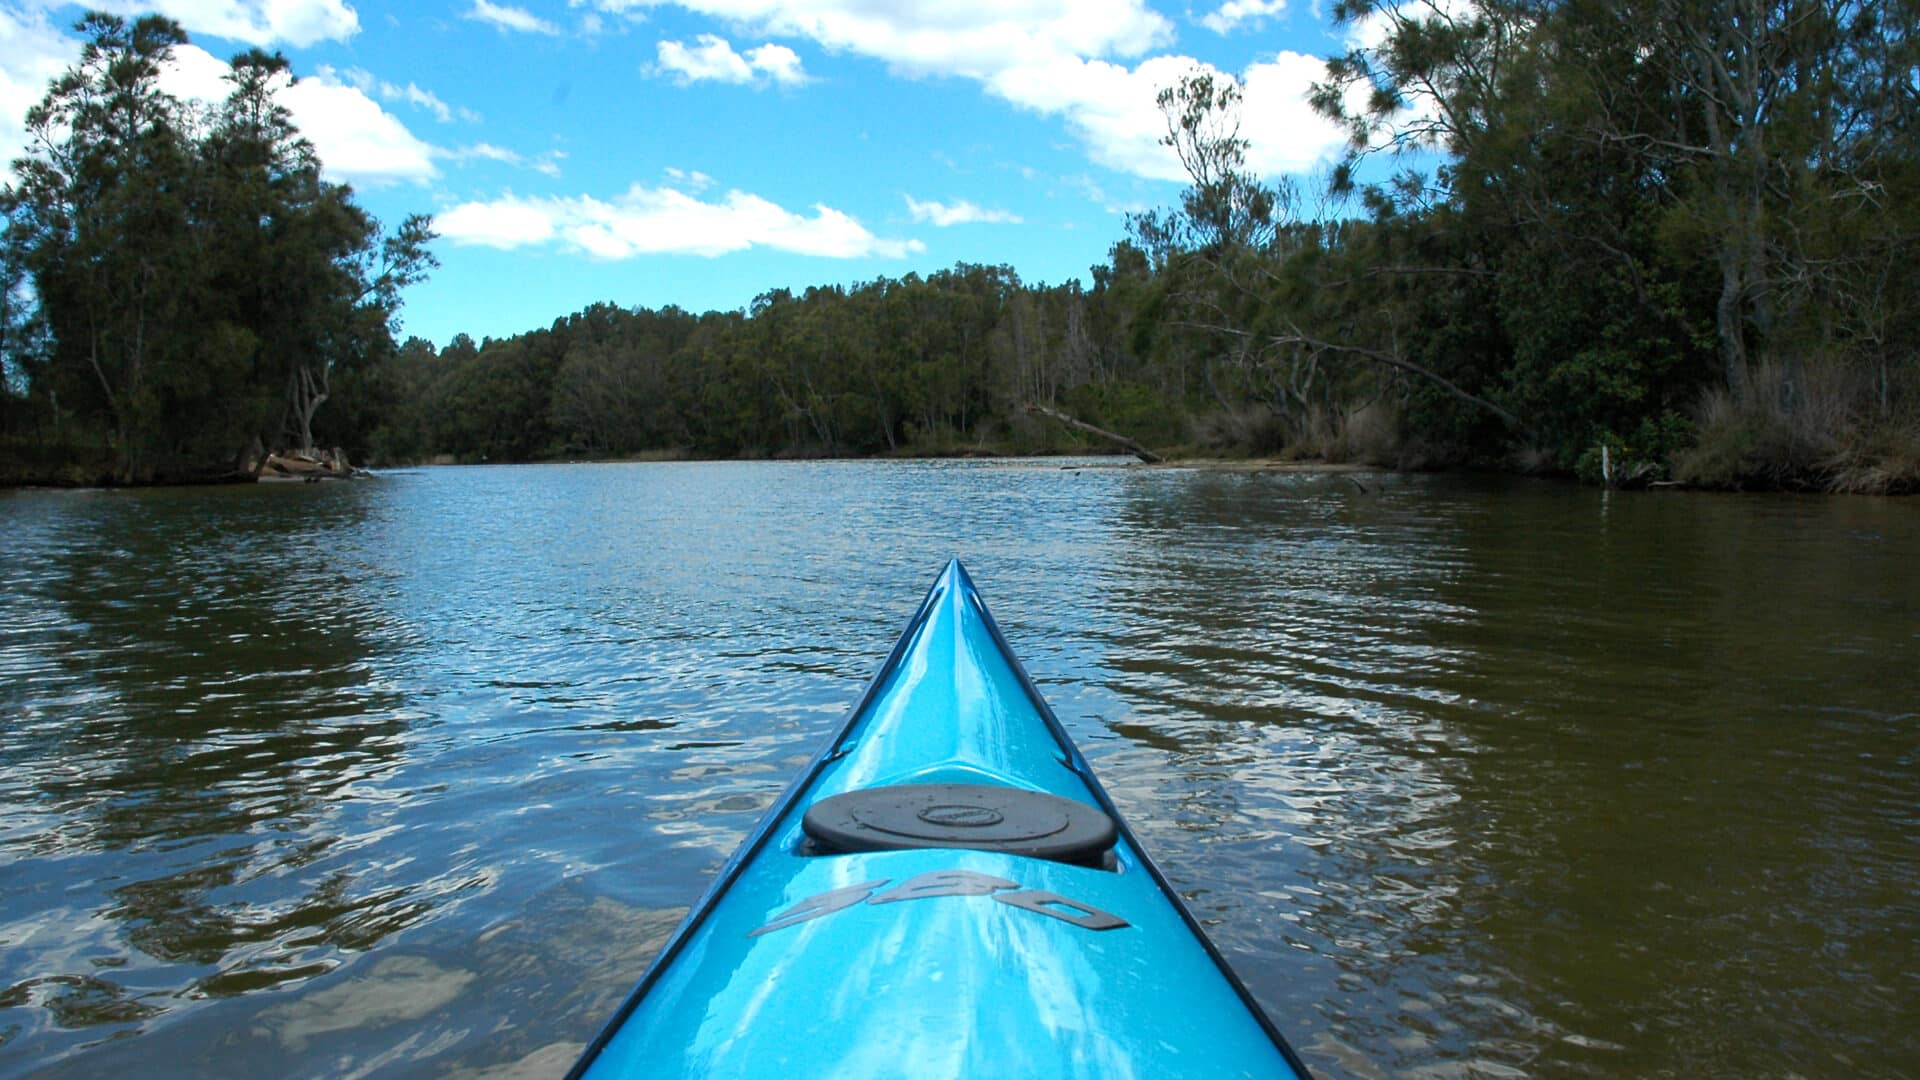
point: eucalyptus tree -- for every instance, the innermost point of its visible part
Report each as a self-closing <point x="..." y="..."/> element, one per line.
<point x="1516" y="119"/>
<point x="1747" y="133"/>
<point x="1225" y="209"/>
<point x="190" y="279"/>
<point x="304" y="280"/>
<point x="1238" y="270"/>
<point x="98" y="222"/>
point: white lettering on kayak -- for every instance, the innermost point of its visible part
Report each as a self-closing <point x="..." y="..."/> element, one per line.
<point x="945" y="883"/>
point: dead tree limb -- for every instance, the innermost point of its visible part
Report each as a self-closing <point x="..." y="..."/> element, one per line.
<point x="1394" y="360"/>
<point x="1119" y="440"/>
<point x="1388" y="359"/>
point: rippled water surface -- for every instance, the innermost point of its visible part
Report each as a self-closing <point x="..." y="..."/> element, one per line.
<point x="1468" y="778"/>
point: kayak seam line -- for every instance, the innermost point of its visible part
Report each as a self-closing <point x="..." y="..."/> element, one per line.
<point x="1085" y="770"/>
<point x="730" y="872"/>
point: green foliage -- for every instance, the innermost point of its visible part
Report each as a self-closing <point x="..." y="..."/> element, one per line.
<point x="941" y="364"/>
<point x="1134" y="408"/>
<point x="1644" y="455"/>
<point x="1598" y="211"/>
<point x="184" y="280"/>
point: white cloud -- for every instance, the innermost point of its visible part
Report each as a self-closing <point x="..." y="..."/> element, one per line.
<point x="1072" y="59"/>
<point x="1234" y="12"/>
<point x="487" y="151"/>
<point x="778" y="63"/>
<point x="547" y="163"/>
<point x="198" y="75"/>
<point x="693" y="181"/>
<point x="1283" y="133"/>
<point x="367" y="83"/>
<point x="941" y="37"/>
<point x="504" y="224"/>
<point x="257" y="22"/>
<point x="711" y="58"/>
<point x="664" y="221"/>
<point x="428" y="100"/>
<point x="356" y="138"/>
<point x="1087" y="187"/>
<point x="1113" y="110"/>
<point x="510" y="18"/>
<point x="959" y="213"/>
<point x="354" y="76"/>
<point x="1110" y="107"/>
<point x="32" y="54"/>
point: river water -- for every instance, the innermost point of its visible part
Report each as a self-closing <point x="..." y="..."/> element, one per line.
<point x="1467" y="777"/>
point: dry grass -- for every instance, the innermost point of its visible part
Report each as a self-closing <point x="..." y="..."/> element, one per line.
<point x="1367" y="435"/>
<point x="1246" y="430"/>
<point x="1883" y="461"/>
<point x="1831" y="428"/>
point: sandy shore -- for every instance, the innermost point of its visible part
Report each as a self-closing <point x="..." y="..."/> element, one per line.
<point x="1248" y="465"/>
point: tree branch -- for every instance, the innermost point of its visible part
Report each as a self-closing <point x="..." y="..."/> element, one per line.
<point x="1132" y="447"/>
<point x="1389" y="359"/>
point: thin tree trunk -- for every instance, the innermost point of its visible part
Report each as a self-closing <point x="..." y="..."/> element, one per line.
<point x="1729" y="319"/>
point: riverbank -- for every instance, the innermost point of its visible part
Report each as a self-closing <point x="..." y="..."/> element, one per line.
<point x="43" y="467"/>
<point x="1894" y="472"/>
<point x="104" y="472"/>
<point x="1260" y="465"/>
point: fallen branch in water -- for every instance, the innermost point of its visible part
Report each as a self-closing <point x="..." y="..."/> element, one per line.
<point x="1117" y="439"/>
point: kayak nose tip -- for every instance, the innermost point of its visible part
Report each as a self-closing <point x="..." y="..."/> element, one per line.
<point x="955" y="575"/>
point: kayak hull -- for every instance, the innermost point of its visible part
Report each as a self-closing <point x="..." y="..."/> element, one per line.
<point x="940" y="961"/>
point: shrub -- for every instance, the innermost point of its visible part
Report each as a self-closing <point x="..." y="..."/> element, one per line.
<point x="1828" y="429"/>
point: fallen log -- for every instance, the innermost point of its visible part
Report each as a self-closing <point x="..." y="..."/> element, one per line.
<point x="306" y="466"/>
<point x="1116" y="438"/>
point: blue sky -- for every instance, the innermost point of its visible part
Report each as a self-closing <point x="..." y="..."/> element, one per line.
<point x="701" y="152"/>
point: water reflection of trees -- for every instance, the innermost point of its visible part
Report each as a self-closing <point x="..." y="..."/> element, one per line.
<point x="1582" y="778"/>
<point x="1686" y="787"/>
<point x="208" y="685"/>
<point x="1287" y="642"/>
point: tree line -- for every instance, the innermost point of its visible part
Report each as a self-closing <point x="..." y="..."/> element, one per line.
<point x="1631" y="239"/>
<point x="916" y="365"/>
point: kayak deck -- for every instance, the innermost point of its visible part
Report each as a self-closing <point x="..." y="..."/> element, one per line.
<point x="808" y="959"/>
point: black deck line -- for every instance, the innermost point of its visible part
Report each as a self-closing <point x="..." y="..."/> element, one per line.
<point x="730" y="872"/>
<point x="1080" y="766"/>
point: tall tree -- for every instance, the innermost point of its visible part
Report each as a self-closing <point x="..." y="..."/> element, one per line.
<point x="99" y="220"/>
<point x="197" y="282"/>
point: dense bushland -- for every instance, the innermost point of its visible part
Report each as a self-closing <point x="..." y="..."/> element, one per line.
<point x="181" y="287"/>
<point x="1677" y="237"/>
<point x="1630" y="240"/>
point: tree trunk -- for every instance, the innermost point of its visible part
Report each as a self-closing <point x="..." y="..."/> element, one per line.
<point x="309" y="395"/>
<point x="1730" y="320"/>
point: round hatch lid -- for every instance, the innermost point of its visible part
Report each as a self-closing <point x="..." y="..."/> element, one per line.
<point x="979" y="816"/>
